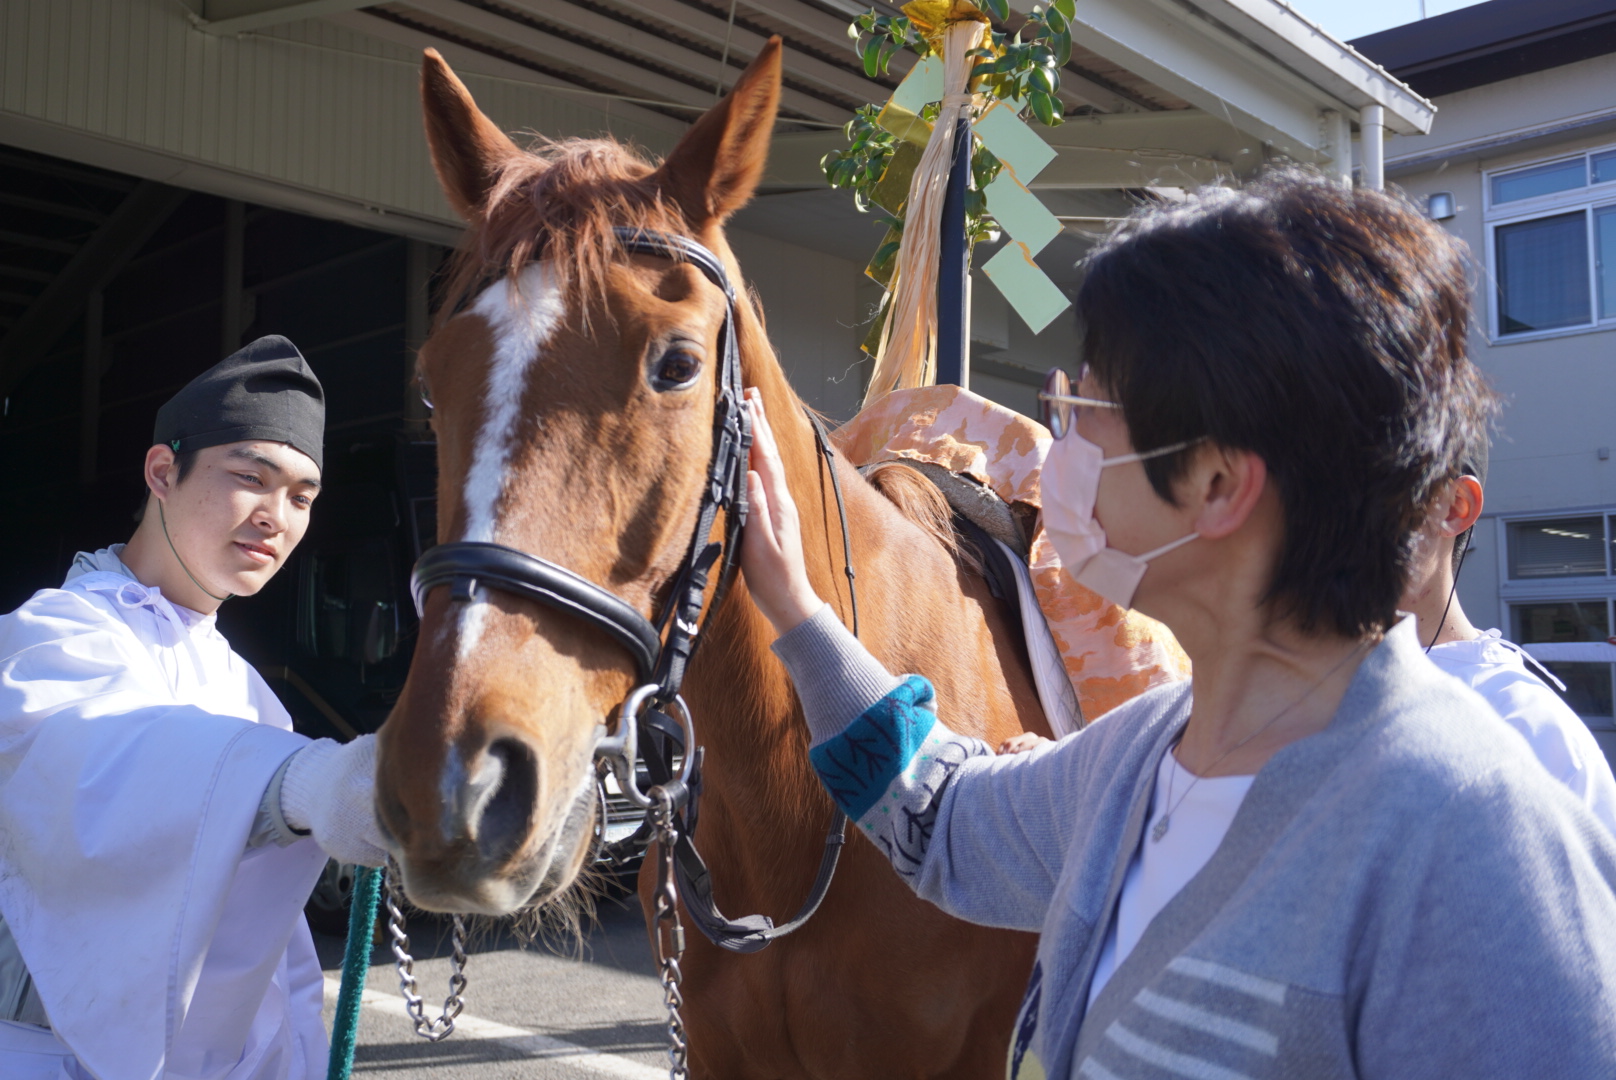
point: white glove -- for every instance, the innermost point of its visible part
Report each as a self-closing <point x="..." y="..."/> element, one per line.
<point x="329" y="789"/>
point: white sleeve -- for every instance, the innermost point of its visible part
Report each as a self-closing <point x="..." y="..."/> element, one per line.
<point x="124" y="816"/>
<point x="1558" y="737"/>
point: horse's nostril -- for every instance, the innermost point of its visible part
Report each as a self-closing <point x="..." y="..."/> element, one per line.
<point x="508" y="814"/>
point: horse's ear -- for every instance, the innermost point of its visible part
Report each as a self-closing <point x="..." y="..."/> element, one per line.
<point x="467" y="148"/>
<point x="717" y="165"/>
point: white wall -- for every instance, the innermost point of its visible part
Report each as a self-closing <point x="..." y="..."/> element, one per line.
<point x="310" y="117"/>
<point x="810" y="307"/>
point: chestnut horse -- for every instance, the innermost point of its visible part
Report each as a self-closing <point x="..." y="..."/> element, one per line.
<point x="574" y="398"/>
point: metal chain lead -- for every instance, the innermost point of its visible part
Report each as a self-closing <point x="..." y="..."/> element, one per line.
<point x="443" y="1026"/>
<point x="670" y="934"/>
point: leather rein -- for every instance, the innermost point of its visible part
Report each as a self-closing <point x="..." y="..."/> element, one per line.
<point x="661" y="651"/>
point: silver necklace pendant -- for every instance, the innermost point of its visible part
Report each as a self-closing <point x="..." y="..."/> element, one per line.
<point x="1159" y="830"/>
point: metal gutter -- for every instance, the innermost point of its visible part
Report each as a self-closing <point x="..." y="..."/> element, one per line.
<point x="1474" y="149"/>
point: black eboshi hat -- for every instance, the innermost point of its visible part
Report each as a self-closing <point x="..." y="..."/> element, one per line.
<point x="265" y="390"/>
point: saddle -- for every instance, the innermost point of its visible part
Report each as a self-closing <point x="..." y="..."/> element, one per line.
<point x="999" y="533"/>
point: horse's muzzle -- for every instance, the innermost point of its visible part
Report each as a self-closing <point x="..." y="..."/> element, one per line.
<point x="490" y="854"/>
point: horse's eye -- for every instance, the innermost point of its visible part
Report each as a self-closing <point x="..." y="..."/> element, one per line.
<point x="675" y="369"/>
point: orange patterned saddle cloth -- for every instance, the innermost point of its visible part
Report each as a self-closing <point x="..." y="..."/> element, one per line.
<point x="1110" y="654"/>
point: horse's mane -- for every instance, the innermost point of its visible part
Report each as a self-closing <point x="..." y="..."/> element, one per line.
<point x="918" y="499"/>
<point x="560" y="201"/>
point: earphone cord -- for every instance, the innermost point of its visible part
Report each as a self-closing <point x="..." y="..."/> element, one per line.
<point x="162" y="517"/>
<point x="1440" y="623"/>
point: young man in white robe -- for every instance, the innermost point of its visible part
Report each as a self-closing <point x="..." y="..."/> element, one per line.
<point x="160" y="824"/>
<point x="1516" y="686"/>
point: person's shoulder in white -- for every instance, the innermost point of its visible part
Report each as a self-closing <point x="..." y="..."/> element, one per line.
<point x="1499" y="671"/>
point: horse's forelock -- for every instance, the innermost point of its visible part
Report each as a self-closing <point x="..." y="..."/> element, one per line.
<point x="560" y="201"/>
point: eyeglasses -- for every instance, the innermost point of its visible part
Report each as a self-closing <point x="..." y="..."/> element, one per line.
<point x="1059" y="408"/>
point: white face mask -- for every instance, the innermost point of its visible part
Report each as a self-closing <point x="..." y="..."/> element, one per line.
<point x="1070" y="483"/>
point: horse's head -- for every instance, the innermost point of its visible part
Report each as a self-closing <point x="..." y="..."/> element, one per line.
<point x="573" y="399"/>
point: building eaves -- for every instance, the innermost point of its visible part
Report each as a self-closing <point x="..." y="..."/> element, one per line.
<point x="1490" y="42"/>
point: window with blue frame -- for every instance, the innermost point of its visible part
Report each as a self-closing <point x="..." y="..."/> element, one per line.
<point x="1553" y="244"/>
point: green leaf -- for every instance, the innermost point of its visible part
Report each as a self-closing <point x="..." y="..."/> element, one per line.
<point x="1041" y="55"/>
<point x="1057" y="22"/>
<point x="1063" y="48"/>
<point x="984" y="168"/>
<point x="1067" y="8"/>
<point x="1042" y="80"/>
<point x="998" y="9"/>
<point x="1043" y="107"/>
<point x="871" y="55"/>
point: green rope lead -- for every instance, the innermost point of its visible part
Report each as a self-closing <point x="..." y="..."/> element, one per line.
<point x="355" y="965"/>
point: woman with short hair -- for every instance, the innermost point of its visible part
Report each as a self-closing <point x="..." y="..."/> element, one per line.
<point x="1322" y="857"/>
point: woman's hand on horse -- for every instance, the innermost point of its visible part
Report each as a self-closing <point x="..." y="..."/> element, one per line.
<point x="771" y="549"/>
<point x="1020" y="744"/>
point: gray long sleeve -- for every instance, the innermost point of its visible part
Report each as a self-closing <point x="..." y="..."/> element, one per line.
<point x="835" y="675"/>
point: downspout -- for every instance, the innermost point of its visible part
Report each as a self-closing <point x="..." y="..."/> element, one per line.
<point x="1372" y="143"/>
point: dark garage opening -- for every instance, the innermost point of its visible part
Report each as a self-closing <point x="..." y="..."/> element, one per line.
<point x="114" y="292"/>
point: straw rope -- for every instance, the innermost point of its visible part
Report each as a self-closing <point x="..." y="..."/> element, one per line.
<point x="908" y="352"/>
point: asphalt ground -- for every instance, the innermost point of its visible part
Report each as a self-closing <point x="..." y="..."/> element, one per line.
<point x="567" y="1010"/>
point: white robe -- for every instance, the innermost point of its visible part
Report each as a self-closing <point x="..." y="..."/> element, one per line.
<point x="135" y="747"/>
<point x="1496" y="669"/>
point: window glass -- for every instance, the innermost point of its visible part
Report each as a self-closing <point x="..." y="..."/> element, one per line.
<point x="1540" y="180"/>
<point x="1604" y="166"/>
<point x="1588" y="685"/>
<point x="1561" y="547"/>
<point x="1605" y="255"/>
<point x="1542" y="273"/>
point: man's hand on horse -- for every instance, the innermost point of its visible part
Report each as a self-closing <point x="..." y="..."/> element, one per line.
<point x="771" y="550"/>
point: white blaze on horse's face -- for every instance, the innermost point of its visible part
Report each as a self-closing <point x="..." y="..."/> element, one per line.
<point x="521" y="320"/>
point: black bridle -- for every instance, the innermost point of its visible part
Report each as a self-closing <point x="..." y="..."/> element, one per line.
<point x="661" y="651"/>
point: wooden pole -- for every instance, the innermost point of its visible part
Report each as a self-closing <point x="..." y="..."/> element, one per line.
<point x="954" y="266"/>
<point x="231" y="321"/>
<point x="418" y="266"/>
<point x="90" y="390"/>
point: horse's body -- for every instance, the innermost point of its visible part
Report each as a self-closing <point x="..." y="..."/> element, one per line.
<point x="485" y="774"/>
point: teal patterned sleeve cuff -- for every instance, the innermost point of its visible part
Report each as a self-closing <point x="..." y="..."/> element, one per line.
<point x="859" y="765"/>
<point x="888" y="771"/>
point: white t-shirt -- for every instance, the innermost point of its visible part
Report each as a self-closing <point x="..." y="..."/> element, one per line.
<point x="1499" y="671"/>
<point x="1201" y="812"/>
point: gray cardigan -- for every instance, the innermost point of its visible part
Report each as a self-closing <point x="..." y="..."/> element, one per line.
<point x="1405" y="894"/>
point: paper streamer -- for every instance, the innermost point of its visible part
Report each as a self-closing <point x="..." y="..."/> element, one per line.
<point x="1026" y="221"/>
<point x="1036" y="299"/>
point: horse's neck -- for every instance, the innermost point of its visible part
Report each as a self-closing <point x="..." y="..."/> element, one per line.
<point x="913" y="616"/>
